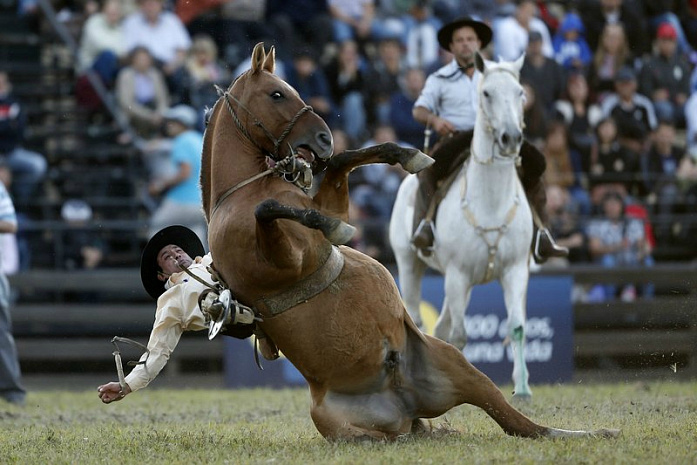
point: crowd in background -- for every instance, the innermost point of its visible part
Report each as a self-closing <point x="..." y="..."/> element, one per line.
<point x="610" y="88"/>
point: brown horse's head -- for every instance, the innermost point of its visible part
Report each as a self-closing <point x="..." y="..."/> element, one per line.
<point x="262" y="116"/>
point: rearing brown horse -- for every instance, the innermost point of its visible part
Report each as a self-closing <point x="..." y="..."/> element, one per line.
<point x="334" y="312"/>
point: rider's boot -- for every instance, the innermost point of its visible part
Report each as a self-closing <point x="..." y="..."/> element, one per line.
<point x="543" y="245"/>
<point x="423" y="228"/>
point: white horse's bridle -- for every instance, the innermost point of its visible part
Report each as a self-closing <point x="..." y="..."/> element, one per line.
<point x="490" y="128"/>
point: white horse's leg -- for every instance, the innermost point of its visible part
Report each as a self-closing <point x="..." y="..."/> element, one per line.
<point x="411" y="271"/>
<point x="515" y="287"/>
<point x="450" y="326"/>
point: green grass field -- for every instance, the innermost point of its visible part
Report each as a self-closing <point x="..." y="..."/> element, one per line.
<point x="163" y="426"/>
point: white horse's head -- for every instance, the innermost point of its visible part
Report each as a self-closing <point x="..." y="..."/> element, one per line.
<point x="501" y="99"/>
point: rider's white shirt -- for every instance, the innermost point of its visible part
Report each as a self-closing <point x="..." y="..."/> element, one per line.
<point x="177" y="311"/>
<point x="452" y="95"/>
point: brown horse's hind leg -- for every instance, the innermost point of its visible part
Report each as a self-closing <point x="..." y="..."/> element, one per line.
<point x="336" y="231"/>
<point x="446" y="379"/>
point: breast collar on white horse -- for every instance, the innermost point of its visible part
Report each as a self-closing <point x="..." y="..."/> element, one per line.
<point x="290" y="167"/>
<point x="492" y="247"/>
<point x="490" y="128"/>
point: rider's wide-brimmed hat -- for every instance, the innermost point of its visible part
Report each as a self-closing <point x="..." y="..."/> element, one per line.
<point x="177" y="235"/>
<point x="445" y="34"/>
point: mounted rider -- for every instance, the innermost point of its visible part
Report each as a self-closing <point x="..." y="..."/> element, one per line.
<point x="448" y="105"/>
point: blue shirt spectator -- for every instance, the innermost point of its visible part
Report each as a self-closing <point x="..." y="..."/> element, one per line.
<point x="570" y="47"/>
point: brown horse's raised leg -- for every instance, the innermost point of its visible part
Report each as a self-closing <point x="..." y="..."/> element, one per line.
<point x="333" y="195"/>
<point x="336" y="231"/>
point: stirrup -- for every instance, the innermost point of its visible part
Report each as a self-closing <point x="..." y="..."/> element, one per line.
<point x="556" y="251"/>
<point x="222" y="311"/>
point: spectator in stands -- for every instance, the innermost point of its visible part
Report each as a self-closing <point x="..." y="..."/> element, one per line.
<point x="633" y="112"/>
<point x="580" y="117"/>
<point x="181" y="196"/>
<point x="299" y="24"/>
<point x="565" y="223"/>
<point x="535" y="117"/>
<point x="485" y="10"/>
<point x="163" y="34"/>
<point x="617" y="240"/>
<point x="420" y="35"/>
<point x="671" y="12"/>
<point x="101" y="52"/>
<point x="386" y="71"/>
<point x="9" y="249"/>
<point x="235" y="25"/>
<point x="570" y="47"/>
<point x="309" y="80"/>
<point x="347" y="83"/>
<point x="374" y="187"/>
<point x="691" y="122"/>
<point x="354" y="20"/>
<point x="662" y="162"/>
<point x="511" y="33"/>
<point x="203" y="71"/>
<point x="542" y="73"/>
<point x="611" y="55"/>
<point x="142" y="94"/>
<point x="687" y="177"/>
<point x="83" y="248"/>
<point x="598" y="14"/>
<point x="613" y="166"/>
<point x="102" y="39"/>
<point x="164" y="259"/>
<point x="560" y="167"/>
<point x="665" y="77"/>
<point x="405" y="126"/>
<point x="11" y="389"/>
<point x="28" y="167"/>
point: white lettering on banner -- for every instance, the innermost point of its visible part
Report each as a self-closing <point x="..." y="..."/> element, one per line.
<point x="488" y="352"/>
<point x="483" y="329"/>
<point x="487" y="326"/>
<point x="536" y="350"/>
<point x="481" y="326"/>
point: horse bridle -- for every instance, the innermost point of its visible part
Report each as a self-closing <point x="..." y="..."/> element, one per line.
<point x="288" y="167"/>
<point x="277" y="141"/>
<point x="490" y="127"/>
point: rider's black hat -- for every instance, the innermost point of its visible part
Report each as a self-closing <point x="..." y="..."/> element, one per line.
<point x="445" y="34"/>
<point x="177" y="235"/>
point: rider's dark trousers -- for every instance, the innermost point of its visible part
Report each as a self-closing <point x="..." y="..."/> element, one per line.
<point x="455" y="149"/>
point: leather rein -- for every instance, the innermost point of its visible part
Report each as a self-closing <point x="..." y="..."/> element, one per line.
<point x="290" y="167"/>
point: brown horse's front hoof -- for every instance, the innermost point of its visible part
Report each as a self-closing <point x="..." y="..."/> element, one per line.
<point x="417" y="162"/>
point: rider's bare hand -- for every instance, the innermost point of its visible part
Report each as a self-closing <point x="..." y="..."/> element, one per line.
<point x="111" y="392"/>
<point x="442" y="126"/>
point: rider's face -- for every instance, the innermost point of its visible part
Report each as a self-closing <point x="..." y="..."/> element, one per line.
<point x="169" y="260"/>
<point x="464" y="43"/>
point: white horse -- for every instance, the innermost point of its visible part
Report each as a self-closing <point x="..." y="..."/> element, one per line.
<point x="484" y="225"/>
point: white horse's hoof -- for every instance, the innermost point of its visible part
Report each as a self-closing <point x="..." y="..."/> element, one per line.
<point x="522" y="396"/>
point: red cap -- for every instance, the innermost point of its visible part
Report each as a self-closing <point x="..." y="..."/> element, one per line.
<point x="666" y="31"/>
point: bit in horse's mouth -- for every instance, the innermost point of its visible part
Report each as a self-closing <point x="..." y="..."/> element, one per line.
<point x="305" y="153"/>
